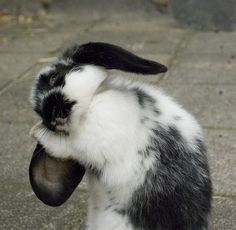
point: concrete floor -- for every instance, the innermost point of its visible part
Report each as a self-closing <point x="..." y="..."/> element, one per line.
<point x="202" y="76"/>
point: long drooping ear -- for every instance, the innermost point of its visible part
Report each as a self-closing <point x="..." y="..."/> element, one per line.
<point x="53" y="180"/>
<point x="113" y="57"/>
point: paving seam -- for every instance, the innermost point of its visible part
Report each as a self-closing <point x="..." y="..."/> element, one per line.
<point x="19" y="77"/>
<point x="219" y="128"/>
<point x="217" y="195"/>
<point x="182" y="44"/>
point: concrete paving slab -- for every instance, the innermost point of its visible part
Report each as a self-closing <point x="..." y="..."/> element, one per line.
<point x="15" y="152"/>
<point x="34" y="37"/>
<point x="192" y="68"/>
<point x="224" y="214"/>
<point x="20" y="209"/>
<point x="15" y="103"/>
<point x="221" y="146"/>
<point x="213" y="105"/>
<point x="214" y="43"/>
<point x="44" y="24"/>
<point x="42" y="44"/>
<point x="13" y="66"/>
<point x="133" y="23"/>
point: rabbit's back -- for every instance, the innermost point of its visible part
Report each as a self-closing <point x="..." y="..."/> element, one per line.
<point x="168" y="183"/>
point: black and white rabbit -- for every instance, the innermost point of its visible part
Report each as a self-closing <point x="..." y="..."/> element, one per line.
<point x="144" y="155"/>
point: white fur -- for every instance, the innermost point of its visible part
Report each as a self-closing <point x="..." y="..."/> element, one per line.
<point x="81" y="84"/>
<point x="105" y="130"/>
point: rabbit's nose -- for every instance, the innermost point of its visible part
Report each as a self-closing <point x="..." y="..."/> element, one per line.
<point x="61" y="120"/>
<point x="58" y="122"/>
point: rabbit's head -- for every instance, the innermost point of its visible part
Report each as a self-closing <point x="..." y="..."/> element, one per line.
<point x="68" y="85"/>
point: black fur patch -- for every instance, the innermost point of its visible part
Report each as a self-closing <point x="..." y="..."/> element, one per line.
<point x="55" y="105"/>
<point x="176" y="194"/>
<point x="97" y="172"/>
<point x="143" y="98"/>
<point x="43" y="84"/>
<point x="156" y="111"/>
<point x="112" y="57"/>
<point x="121" y="212"/>
<point x="177" y="118"/>
<point x="108" y="207"/>
<point x="147" y="151"/>
<point x="144" y="119"/>
<point x="168" y="143"/>
<point x="58" y="71"/>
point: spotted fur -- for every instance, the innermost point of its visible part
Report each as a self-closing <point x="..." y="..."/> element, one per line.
<point x="144" y="155"/>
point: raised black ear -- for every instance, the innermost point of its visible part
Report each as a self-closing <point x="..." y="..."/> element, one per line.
<point x="53" y="180"/>
<point x="113" y="57"/>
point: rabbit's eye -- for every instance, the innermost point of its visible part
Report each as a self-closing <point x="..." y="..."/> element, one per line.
<point x="52" y="80"/>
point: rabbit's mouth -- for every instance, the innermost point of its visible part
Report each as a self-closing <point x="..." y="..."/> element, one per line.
<point x="60" y="121"/>
<point x="61" y="124"/>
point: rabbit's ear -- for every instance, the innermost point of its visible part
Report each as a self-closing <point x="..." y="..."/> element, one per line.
<point x="113" y="57"/>
<point x="53" y="180"/>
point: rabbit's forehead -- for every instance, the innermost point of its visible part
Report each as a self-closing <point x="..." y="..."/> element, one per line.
<point x="86" y="74"/>
<point x="82" y="82"/>
<point x="59" y="68"/>
<point x="57" y="71"/>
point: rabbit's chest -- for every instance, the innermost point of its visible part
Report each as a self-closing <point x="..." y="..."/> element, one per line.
<point x="109" y="219"/>
<point x="107" y="207"/>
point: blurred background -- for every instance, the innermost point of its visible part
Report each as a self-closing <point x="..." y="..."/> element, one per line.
<point x="196" y="39"/>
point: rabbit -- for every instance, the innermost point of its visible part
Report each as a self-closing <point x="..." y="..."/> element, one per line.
<point x="144" y="154"/>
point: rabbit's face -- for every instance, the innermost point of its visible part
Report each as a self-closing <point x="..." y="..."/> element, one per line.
<point x="47" y="97"/>
<point x="62" y="91"/>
